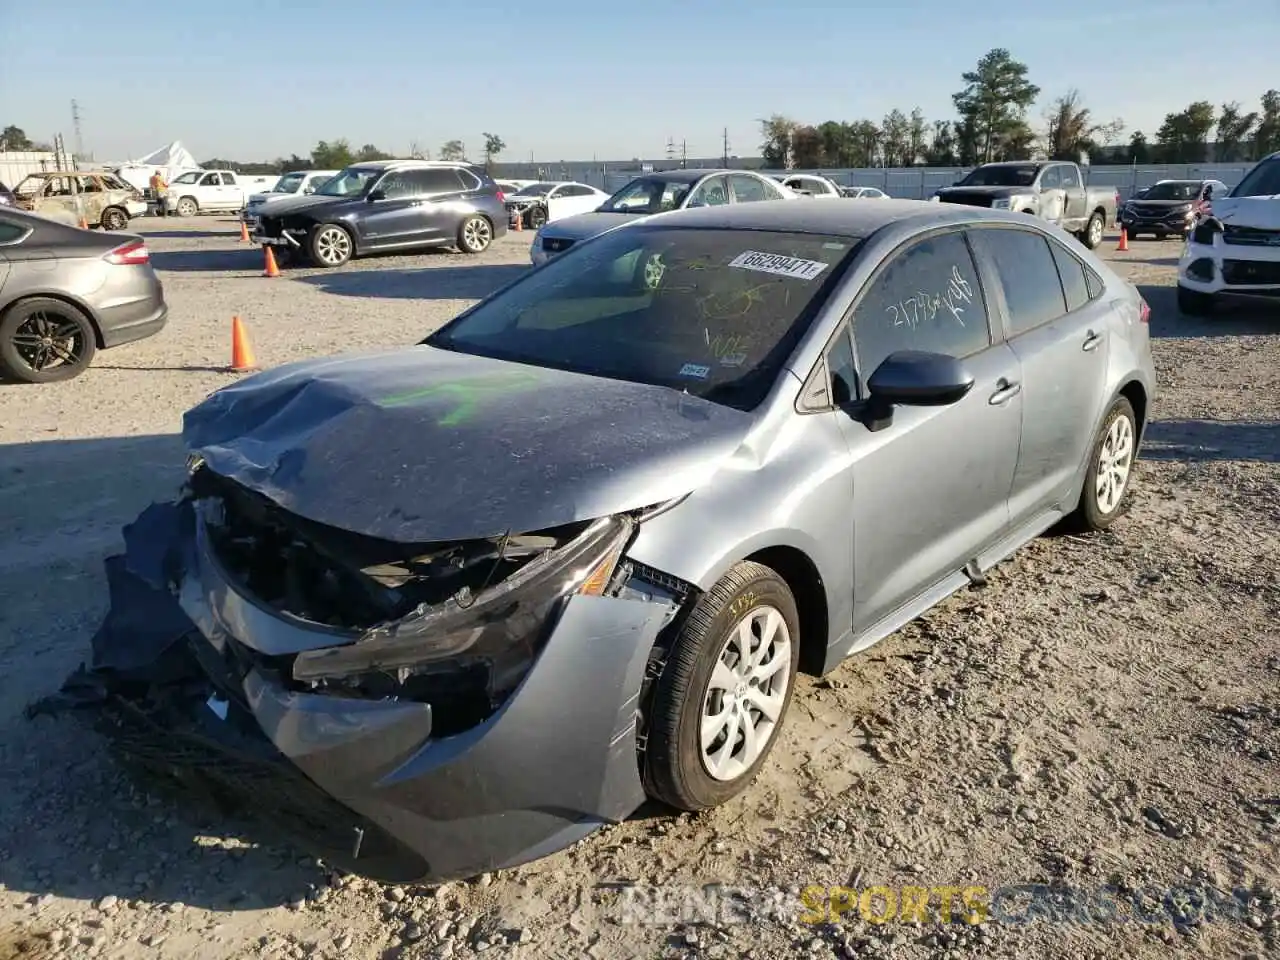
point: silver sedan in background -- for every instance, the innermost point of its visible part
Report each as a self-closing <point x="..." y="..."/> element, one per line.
<point x="572" y="550"/>
<point x="66" y="293"/>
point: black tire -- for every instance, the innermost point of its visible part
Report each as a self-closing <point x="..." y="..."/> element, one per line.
<point x="1194" y="303"/>
<point x="187" y="207"/>
<point x="674" y="768"/>
<point x="1091" y="514"/>
<point x="113" y="218"/>
<point x="28" y="324"/>
<point x="1091" y="235"/>
<point x="329" y="245"/>
<point x="538" y="218"/>
<point x="475" y="235"/>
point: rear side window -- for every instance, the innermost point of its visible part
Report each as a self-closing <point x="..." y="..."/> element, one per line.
<point x="468" y="180"/>
<point x="1032" y="290"/>
<point x="926" y="298"/>
<point x="443" y="180"/>
<point x="10" y="232"/>
<point x="1071" y="272"/>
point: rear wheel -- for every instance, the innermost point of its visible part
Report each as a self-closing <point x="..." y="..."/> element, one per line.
<point x="721" y="700"/>
<point x="537" y="217"/>
<point x="44" y="340"/>
<point x="187" y="207"/>
<point x="1110" y="468"/>
<point x="1194" y="303"/>
<point x="475" y="235"/>
<point x="1092" y="233"/>
<point x="329" y="245"/>
<point x="113" y="218"/>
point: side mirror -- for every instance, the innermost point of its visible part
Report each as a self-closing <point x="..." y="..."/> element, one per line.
<point x="377" y="195"/>
<point x="914" y="378"/>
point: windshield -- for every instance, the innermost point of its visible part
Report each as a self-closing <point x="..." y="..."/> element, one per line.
<point x="714" y="313"/>
<point x="1174" y="191"/>
<point x="351" y="182"/>
<point x="191" y="177"/>
<point x="536" y="190"/>
<point x="648" y="195"/>
<point x="1262" y="181"/>
<point x="289" y="183"/>
<point x="1001" y="177"/>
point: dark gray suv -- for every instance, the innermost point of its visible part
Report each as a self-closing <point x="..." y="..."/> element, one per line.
<point x="388" y="205"/>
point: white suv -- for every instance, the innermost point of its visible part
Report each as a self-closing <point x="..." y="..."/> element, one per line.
<point x="1235" y="248"/>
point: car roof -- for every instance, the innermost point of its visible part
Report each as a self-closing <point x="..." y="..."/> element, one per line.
<point x="411" y="164"/>
<point x="813" y="215"/>
<point x="689" y="175"/>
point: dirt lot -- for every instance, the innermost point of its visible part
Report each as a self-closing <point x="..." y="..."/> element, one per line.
<point x="1105" y="711"/>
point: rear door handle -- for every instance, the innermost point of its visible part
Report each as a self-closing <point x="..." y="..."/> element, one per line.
<point x="1091" y="341"/>
<point x="1005" y="392"/>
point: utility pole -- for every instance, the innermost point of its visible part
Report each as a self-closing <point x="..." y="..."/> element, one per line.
<point x="671" y="149"/>
<point x="684" y="153"/>
<point x="725" y="140"/>
<point x="75" y="126"/>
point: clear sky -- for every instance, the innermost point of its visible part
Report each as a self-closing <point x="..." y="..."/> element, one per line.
<point x="256" y="81"/>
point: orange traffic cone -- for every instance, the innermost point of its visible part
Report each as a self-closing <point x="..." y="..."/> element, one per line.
<point x="519" y="221"/>
<point x="244" y="232"/>
<point x="272" y="270"/>
<point x="84" y="224"/>
<point x="1124" y="240"/>
<point x="241" y="352"/>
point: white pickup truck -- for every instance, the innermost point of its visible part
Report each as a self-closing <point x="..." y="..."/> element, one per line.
<point x="211" y="191"/>
<point x="296" y="183"/>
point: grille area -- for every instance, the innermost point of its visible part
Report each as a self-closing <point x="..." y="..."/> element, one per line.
<point x="1250" y="236"/>
<point x="969" y="200"/>
<point x="556" y="244"/>
<point x="1247" y="272"/>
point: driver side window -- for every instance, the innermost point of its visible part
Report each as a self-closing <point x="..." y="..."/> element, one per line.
<point x="927" y="297"/>
<point x="1051" y="179"/>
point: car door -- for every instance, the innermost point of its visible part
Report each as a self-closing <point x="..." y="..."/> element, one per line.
<point x="1058" y="325"/>
<point x="392" y="214"/>
<point x="1075" y="199"/>
<point x="930" y="491"/>
<point x="439" y="208"/>
<point x="1051" y="204"/>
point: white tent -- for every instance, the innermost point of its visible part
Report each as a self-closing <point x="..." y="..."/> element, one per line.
<point x="169" y="160"/>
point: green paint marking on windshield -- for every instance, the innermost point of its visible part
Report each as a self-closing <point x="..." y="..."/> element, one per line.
<point x="465" y="394"/>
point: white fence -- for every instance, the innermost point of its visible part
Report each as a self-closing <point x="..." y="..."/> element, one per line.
<point x="14" y="166"/>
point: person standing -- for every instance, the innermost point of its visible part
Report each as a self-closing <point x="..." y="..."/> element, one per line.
<point x="160" y="190"/>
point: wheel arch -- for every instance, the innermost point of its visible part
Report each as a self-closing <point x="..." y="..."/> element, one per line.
<point x="1133" y="391"/>
<point x="63" y="297"/>
<point x="801" y="575"/>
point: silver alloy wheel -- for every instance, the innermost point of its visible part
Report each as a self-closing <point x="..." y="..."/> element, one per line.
<point x="1115" y="461"/>
<point x="187" y="207"/>
<point x="333" y="246"/>
<point x="1095" y="231"/>
<point x="654" y="268"/>
<point x="477" y="234"/>
<point x="745" y="695"/>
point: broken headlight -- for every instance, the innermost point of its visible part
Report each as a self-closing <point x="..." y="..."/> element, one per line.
<point x="503" y="627"/>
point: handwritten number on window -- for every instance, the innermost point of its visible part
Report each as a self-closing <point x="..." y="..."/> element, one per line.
<point x="924" y="306"/>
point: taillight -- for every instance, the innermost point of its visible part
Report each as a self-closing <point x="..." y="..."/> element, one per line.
<point x="129" y="254"/>
<point x="1144" y="311"/>
<point x="502" y="197"/>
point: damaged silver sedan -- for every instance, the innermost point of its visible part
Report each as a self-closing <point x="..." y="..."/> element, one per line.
<point x="444" y="609"/>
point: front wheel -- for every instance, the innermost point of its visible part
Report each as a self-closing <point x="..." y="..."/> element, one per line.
<point x="721" y="700"/>
<point x="330" y="245"/>
<point x="1092" y="234"/>
<point x="1110" y="468"/>
<point x="537" y="218"/>
<point x="475" y="235"/>
<point x="187" y="207"/>
<point x="43" y="340"/>
<point x="1194" y="303"/>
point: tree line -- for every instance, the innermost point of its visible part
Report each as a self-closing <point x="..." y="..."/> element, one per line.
<point x="992" y="124"/>
<point x="336" y="154"/>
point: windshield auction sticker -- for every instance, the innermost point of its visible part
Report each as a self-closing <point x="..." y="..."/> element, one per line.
<point x="777" y="264"/>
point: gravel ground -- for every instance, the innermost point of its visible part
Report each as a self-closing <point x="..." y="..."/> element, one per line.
<point x="1105" y="712"/>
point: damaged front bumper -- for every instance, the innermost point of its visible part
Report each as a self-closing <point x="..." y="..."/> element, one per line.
<point x="195" y="681"/>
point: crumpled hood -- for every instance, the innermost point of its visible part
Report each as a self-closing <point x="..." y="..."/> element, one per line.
<point x="584" y="226"/>
<point x="419" y="444"/>
<point x="1263" y="212"/>
<point x="296" y="204"/>
<point x="995" y="192"/>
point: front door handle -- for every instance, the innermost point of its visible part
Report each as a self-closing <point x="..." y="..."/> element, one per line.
<point x="1091" y="341"/>
<point x="1005" y="391"/>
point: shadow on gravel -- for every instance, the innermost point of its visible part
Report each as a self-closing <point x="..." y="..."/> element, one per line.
<point x="190" y="234"/>
<point x="210" y="261"/>
<point x="1234" y="317"/>
<point x="1256" y="440"/>
<point x="439" y="283"/>
<point x="1157" y="262"/>
<point x="71" y="824"/>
